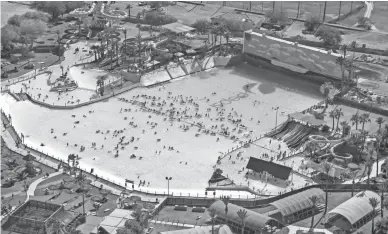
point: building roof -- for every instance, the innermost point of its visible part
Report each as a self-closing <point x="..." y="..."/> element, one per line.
<point x="292" y="43"/>
<point x="356" y="207"/>
<point x="178" y="27"/>
<point x="308" y="118"/>
<point x="223" y="229"/>
<point x="254" y="220"/>
<point x="277" y="170"/>
<point x="297" y="202"/>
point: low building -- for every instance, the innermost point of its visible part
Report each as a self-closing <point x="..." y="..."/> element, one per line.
<point x="221" y="229"/>
<point x="33" y="217"/>
<point x="275" y="170"/>
<point x="355" y="212"/>
<point x="254" y="222"/>
<point x="299" y="206"/>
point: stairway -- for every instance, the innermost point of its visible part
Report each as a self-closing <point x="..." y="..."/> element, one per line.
<point x="183" y="68"/>
<point x="169" y="74"/>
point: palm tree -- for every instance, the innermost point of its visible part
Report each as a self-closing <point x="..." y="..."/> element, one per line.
<point x="325" y="90"/>
<point x="312" y="146"/>
<point x="242" y="214"/>
<point x="314" y="200"/>
<point x="326" y="168"/>
<point x="94" y="48"/>
<point x="344" y="124"/>
<point x="340" y="61"/>
<point x="212" y="214"/>
<point x="225" y="200"/>
<point x="364" y="118"/>
<point x="368" y="167"/>
<point x="332" y="115"/>
<point x="125" y="31"/>
<point x="373" y="202"/>
<point x="380" y="121"/>
<point x="353" y="46"/>
<point x="355" y="119"/>
<point x="80" y="180"/>
<point x="338" y="114"/>
<point x="139" y="42"/>
<point x="58" y="32"/>
<point x="56" y="225"/>
<point x="383" y="187"/>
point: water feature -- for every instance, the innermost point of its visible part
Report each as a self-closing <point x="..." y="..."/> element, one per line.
<point x="86" y="77"/>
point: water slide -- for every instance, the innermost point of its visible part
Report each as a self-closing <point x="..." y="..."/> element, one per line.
<point x="323" y="140"/>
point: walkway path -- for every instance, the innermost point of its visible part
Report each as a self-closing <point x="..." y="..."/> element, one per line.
<point x="31" y="189"/>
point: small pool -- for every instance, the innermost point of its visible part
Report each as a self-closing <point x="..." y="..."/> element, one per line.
<point x="87" y="77"/>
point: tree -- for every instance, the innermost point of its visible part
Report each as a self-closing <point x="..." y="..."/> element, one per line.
<point x="338" y="114"/>
<point x="329" y="36"/>
<point x="104" y="193"/>
<point x="56" y="225"/>
<point x="31" y="29"/>
<point x="364" y="118"/>
<point x="201" y="25"/>
<point x="380" y="121"/>
<point x="312" y="146"/>
<point x="54" y="8"/>
<point x="325" y="89"/>
<point x="326" y="168"/>
<point x="242" y="214"/>
<point x="312" y="22"/>
<point x="14" y="20"/>
<point x="382" y="226"/>
<point x="212" y="214"/>
<point x="80" y="180"/>
<point x="277" y="17"/>
<point x="364" y="22"/>
<point x="344" y="124"/>
<point x="225" y="200"/>
<point x="373" y="202"/>
<point x="314" y="200"/>
<point x="355" y="119"/>
<point x="332" y="115"/>
<point x="383" y="187"/>
<point x="59" y="33"/>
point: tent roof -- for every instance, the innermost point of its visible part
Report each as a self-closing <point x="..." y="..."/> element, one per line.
<point x="178" y="27"/>
<point x="356" y="207"/>
<point x="224" y="229"/>
<point x="297" y="202"/>
<point x="254" y="220"/>
<point x="277" y="170"/>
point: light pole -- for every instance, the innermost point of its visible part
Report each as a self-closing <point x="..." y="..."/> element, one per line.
<point x="168" y="185"/>
<point x="276" y="119"/>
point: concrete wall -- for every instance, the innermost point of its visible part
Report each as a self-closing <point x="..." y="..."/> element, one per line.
<point x="296" y="57"/>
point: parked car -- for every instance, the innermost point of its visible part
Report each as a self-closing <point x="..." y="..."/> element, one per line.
<point x="142" y="4"/>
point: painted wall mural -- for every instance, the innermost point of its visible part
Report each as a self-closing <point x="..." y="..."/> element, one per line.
<point x="282" y="51"/>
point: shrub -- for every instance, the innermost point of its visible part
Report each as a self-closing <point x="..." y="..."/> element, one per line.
<point x="277" y="17"/>
<point x="234" y="25"/>
<point x="312" y="22"/>
<point x="329" y="36"/>
<point x="201" y="25"/>
<point x="157" y="19"/>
